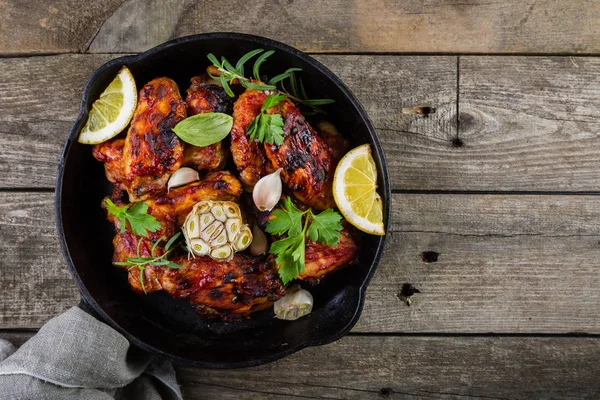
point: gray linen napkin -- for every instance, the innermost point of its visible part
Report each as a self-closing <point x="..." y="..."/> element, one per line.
<point x="75" y="356"/>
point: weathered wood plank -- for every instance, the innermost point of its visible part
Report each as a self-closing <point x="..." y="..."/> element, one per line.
<point x="507" y="264"/>
<point x="408" y="367"/>
<point x="32" y="26"/>
<point x="414" y="367"/>
<point x="36" y="122"/>
<point x="514" y="26"/>
<point x="527" y="123"/>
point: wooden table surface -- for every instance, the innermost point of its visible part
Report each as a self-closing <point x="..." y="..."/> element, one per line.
<point x="490" y="282"/>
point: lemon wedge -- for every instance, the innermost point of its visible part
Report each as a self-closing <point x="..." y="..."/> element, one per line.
<point x="355" y="191"/>
<point x="112" y="112"/>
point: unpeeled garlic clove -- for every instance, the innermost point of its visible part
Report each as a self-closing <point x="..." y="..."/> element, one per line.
<point x="267" y="191"/>
<point x="181" y="177"/>
<point x="296" y="303"/>
<point x="260" y="244"/>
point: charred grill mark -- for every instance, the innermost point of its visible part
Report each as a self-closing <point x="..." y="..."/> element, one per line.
<point x="220" y="185"/>
<point x="215" y="294"/>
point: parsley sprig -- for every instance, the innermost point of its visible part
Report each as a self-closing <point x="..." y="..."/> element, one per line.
<point x="137" y="215"/>
<point x="228" y="74"/>
<point x="156" y="261"/>
<point x="268" y="127"/>
<point x="324" y="228"/>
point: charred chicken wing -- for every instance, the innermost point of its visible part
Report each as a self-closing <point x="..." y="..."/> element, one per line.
<point x="306" y="159"/>
<point x="248" y="156"/>
<point x="205" y="96"/>
<point x="152" y="152"/>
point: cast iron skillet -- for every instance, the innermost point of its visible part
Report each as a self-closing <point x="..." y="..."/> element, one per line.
<point x="168" y="327"/>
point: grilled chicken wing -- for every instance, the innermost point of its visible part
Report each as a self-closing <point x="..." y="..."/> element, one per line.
<point x="227" y="290"/>
<point x="321" y="260"/>
<point x="152" y="152"/>
<point x="111" y="154"/>
<point x="248" y="156"/>
<point x="215" y="289"/>
<point x="205" y="96"/>
<point x="306" y="159"/>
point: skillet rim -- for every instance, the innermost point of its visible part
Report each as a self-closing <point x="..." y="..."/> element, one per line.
<point x="385" y="191"/>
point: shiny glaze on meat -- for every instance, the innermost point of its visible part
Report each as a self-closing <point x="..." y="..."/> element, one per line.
<point x="111" y="154"/>
<point x="306" y="159"/>
<point x="321" y="260"/>
<point x="227" y="290"/>
<point x="152" y="152"/>
<point x="249" y="157"/>
<point x="204" y="96"/>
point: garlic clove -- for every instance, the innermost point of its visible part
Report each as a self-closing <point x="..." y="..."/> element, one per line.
<point x="202" y="207"/>
<point x="192" y="225"/>
<point x="220" y="239"/>
<point x="296" y="303"/>
<point x="233" y="227"/>
<point x="206" y="220"/>
<point x="260" y="244"/>
<point x="182" y="176"/>
<point x="267" y="191"/>
<point x="199" y="247"/>
<point x="244" y="239"/>
<point x="232" y="210"/>
<point x="218" y="212"/>
<point x="222" y="252"/>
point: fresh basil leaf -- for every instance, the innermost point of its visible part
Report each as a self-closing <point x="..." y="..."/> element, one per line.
<point x="204" y="129"/>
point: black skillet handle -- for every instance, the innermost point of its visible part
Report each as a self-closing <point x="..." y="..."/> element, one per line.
<point x="85" y="306"/>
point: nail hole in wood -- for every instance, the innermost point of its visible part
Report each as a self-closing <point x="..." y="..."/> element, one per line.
<point x="418" y="110"/>
<point x="429" y="256"/>
<point x="406" y="292"/>
<point x="456" y="142"/>
<point x="385" y="392"/>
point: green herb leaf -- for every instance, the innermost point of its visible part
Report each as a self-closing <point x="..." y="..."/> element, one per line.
<point x="263" y="57"/>
<point x="137" y="215"/>
<point x="272" y="100"/>
<point x="323" y="228"/>
<point x="257" y="86"/>
<point x="172" y="240"/>
<point x="239" y="67"/>
<point x="288" y="73"/>
<point x="204" y="129"/>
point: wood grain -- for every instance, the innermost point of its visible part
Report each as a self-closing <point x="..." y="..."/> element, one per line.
<point x="37" y="121"/>
<point x="33" y="26"/>
<point x="414" y="367"/>
<point x="441" y="26"/>
<point x="505" y="264"/>
<point x="408" y="367"/>
<point x="528" y="123"/>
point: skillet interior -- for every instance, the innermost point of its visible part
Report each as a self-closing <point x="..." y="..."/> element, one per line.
<point x="169" y="327"/>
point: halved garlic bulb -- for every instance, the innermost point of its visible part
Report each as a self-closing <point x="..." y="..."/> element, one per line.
<point x="267" y="191"/>
<point x="182" y="176"/>
<point x="215" y="228"/>
<point x="296" y="303"/>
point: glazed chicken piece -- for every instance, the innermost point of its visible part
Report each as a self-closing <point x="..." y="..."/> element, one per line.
<point x="306" y="159"/>
<point x="249" y="157"/>
<point x="152" y="152"/>
<point x="215" y="289"/>
<point x="205" y="96"/>
<point x="111" y="154"/>
<point x="228" y="290"/>
<point x="321" y="260"/>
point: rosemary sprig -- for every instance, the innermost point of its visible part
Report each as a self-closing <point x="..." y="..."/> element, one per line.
<point x="155" y="261"/>
<point x="229" y="74"/>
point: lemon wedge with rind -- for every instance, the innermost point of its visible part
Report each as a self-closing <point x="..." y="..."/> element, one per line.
<point x="111" y="113"/>
<point x="355" y="191"/>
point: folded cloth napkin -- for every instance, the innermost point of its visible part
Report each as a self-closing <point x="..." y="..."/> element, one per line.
<point x="75" y="356"/>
